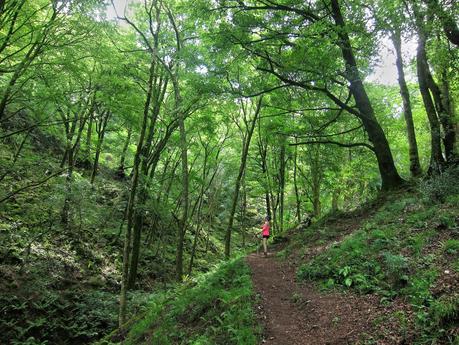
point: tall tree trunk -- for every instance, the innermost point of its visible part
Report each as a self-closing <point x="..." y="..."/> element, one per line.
<point x="244" y="212"/>
<point x="436" y="156"/>
<point x="450" y="124"/>
<point x="415" y="166"/>
<point x="316" y="179"/>
<point x="159" y="89"/>
<point x="72" y="151"/>
<point x="444" y="115"/>
<point x="65" y="214"/>
<point x="185" y="180"/>
<point x="282" y="163"/>
<point x="87" y="151"/>
<point x="295" y="183"/>
<point x="389" y="175"/>
<point x="130" y="209"/>
<point x="245" y="151"/>
<point x="262" y="149"/>
<point x="198" y="216"/>
<point x="184" y="155"/>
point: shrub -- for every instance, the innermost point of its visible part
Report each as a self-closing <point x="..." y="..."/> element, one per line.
<point x="439" y="188"/>
<point x="396" y="269"/>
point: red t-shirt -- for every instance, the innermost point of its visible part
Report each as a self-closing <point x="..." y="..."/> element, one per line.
<point x="265" y="228"/>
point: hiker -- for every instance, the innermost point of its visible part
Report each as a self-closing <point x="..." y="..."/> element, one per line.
<point x="265" y="234"/>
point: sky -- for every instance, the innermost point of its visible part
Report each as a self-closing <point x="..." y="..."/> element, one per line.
<point x="385" y="71"/>
<point x="120" y="6"/>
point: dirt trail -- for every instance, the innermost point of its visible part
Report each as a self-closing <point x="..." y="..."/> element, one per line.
<point x="294" y="314"/>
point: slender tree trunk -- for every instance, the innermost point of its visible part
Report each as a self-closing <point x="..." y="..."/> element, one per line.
<point x="137" y="229"/>
<point x="184" y="154"/>
<point x="274" y="207"/>
<point x="245" y="151"/>
<point x="243" y="210"/>
<point x="415" y="166"/>
<point x="185" y="180"/>
<point x="72" y="151"/>
<point x="262" y="149"/>
<point x="65" y="214"/>
<point x="444" y="115"/>
<point x="125" y="148"/>
<point x="196" y="238"/>
<point x="389" y="175"/>
<point x="295" y="184"/>
<point x="87" y="151"/>
<point x="335" y="200"/>
<point x="100" y="139"/>
<point x="198" y="216"/>
<point x="130" y="209"/>
<point x="316" y="179"/>
<point x="147" y="164"/>
<point x="282" y="162"/>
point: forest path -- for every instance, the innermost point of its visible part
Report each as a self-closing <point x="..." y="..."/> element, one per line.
<point x="294" y="314"/>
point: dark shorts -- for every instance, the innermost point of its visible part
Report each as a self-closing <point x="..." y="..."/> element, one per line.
<point x="265" y="236"/>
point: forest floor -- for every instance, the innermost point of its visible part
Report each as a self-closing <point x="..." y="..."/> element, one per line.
<point x="298" y="313"/>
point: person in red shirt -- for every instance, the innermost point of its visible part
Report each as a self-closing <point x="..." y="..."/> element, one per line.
<point x="265" y="234"/>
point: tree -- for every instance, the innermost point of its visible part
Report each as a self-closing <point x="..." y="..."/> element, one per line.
<point x="249" y="111"/>
<point x="285" y="42"/>
<point x="392" y="19"/>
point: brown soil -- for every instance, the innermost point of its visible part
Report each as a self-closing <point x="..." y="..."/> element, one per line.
<point x="298" y="314"/>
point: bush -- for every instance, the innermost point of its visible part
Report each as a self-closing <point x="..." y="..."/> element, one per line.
<point x="396" y="269"/>
<point x="439" y="188"/>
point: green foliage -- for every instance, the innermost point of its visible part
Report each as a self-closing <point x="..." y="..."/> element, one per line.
<point x="47" y="316"/>
<point x="215" y="308"/>
<point x="439" y="188"/>
<point x="451" y="247"/>
<point x="438" y="321"/>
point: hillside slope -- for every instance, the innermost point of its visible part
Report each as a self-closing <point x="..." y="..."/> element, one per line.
<point x="404" y="251"/>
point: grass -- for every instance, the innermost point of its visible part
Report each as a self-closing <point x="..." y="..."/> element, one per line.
<point x="215" y="308"/>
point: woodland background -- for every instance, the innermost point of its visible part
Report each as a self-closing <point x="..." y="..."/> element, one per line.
<point x="141" y="150"/>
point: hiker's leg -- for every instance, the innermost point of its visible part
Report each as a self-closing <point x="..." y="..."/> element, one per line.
<point x="265" y="245"/>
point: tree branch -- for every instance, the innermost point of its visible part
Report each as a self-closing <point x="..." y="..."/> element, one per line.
<point x="312" y="142"/>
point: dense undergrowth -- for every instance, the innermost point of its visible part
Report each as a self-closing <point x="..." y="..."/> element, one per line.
<point x="403" y="248"/>
<point x="60" y="285"/>
<point x="215" y="308"/>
